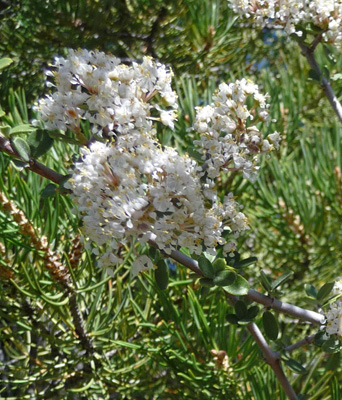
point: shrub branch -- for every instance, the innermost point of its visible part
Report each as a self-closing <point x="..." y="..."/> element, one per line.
<point x="308" y="53"/>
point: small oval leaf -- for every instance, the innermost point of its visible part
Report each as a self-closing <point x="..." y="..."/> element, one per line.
<point x="270" y="325"/>
<point x="207" y="282"/>
<point x="224" y="278"/>
<point x="5" y="62"/>
<point x="332" y="345"/>
<point x="22" y="148"/>
<point x="239" y="287"/>
<point x="325" y="290"/>
<point x="240" y="309"/>
<point x="23" y="128"/>
<point x="265" y="281"/>
<point x="50" y="190"/>
<point x="161" y="274"/>
<point x="281" y="279"/>
<point x="252" y="312"/>
<point x="232" y="318"/>
<point x="206" y="267"/>
<point x="310" y="290"/>
<point x="40" y="142"/>
<point x="246" y="262"/>
<point x="219" y="264"/>
<point x="295" y="365"/>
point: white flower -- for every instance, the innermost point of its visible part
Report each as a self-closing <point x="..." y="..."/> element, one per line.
<point x="325" y="14"/>
<point x="113" y="97"/>
<point x="133" y="188"/>
<point x="167" y="118"/>
<point x="334" y="314"/>
<point x="275" y="139"/>
<point x="226" y="140"/>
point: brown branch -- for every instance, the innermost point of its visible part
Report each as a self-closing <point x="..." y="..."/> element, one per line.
<point x="272" y="358"/>
<point x="33" y="165"/>
<point x="298" y="312"/>
<point x="86" y="341"/>
<point x="52" y="262"/>
<point x="271" y="302"/>
<point x="308" y="52"/>
<point x="300" y="343"/>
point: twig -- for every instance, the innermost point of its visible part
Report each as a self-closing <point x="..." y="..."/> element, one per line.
<point x="52" y="262"/>
<point x="300" y="343"/>
<point x="272" y="358"/>
<point x="298" y="312"/>
<point x="86" y="341"/>
<point x="34" y="165"/>
<point x="308" y="52"/>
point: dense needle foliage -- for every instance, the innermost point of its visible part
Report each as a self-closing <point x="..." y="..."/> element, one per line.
<point x="143" y="341"/>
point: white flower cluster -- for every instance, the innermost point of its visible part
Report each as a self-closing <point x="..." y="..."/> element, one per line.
<point x="226" y="140"/>
<point x="334" y="314"/>
<point x="287" y="14"/>
<point x="136" y="189"/>
<point x="131" y="186"/>
<point x="113" y="97"/>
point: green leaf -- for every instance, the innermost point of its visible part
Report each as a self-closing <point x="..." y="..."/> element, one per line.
<point x="314" y="75"/>
<point x="295" y="365"/>
<point x="310" y="290"/>
<point x="310" y="300"/>
<point x="22" y="148"/>
<point x="62" y="189"/>
<point x="232" y="319"/>
<point x="281" y="279"/>
<point x="50" y="190"/>
<point x="126" y="344"/>
<point x="332" y="345"/>
<point x="233" y="260"/>
<point x="224" y="278"/>
<point x="252" y="312"/>
<point x="330" y="56"/>
<point x="265" y="281"/>
<point x="154" y="254"/>
<point x="5" y="130"/>
<point x="20" y="165"/>
<point x="246" y="262"/>
<point x="206" y="267"/>
<point x="219" y="265"/>
<point x="5" y="62"/>
<point x="325" y="290"/>
<point x="207" y="282"/>
<point x="161" y="274"/>
<point x="270" y="325"/>
<point x="240" y="309"/>
<point x="239" y="287"/>
<point x="40" y="142"/>
<point x="23" y="128"/>
<point x="319" y="338"/>
<point x="326" y="72"/>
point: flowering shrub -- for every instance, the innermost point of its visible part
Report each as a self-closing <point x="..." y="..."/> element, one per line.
<point x="131" y="186"/>
<point x="144" y="205"/>
<point x="293" y="15"/>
